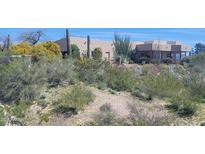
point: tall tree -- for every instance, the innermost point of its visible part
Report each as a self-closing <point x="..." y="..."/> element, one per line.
<point x="122" y="46"/>
<point x="32" y="37"/>
<point x="199" y="47"/>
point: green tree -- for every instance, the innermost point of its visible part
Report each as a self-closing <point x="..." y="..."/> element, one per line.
<point x="97" y="53"/>
<point x="75" y="51"/>
<point x="122" y="46"/>
<point x="199" y="47"/>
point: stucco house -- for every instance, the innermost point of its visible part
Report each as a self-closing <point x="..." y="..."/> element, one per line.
<point x="106" y="46"/>
<point x="158" y="49"/>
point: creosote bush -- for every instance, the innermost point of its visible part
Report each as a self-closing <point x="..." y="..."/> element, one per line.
<point x="162" y="85"/>
<point x="120" y="79"/>
<point x="74" y="100"/>
<point x="19" y="109"/>
<point x="183" y="106"/>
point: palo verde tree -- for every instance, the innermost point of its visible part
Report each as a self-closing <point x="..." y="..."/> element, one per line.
<point x="122" y="46"/>
<point x="32" y="37"/>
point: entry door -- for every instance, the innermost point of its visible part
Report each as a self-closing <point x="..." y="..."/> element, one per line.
<point x="107" y="56"/>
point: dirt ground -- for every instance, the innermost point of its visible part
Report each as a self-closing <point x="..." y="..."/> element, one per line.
<point x="119" y="103"/>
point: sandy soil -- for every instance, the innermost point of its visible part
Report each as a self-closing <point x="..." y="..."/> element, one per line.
<point x="119" y="103"/>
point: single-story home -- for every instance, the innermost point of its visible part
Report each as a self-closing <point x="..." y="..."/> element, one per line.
<point x="106" y="46"/>
<point x="158" y="49"/>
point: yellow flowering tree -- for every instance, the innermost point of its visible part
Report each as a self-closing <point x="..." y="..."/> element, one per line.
<point x="48" y="49"/>
<point x="23" y="48"/>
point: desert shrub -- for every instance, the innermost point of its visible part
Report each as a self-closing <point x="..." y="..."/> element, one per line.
<point x="61" y="71"/>
<point x="197" y="62"/>
<point x="105" y="107"/>
<point x="144" y="60"/>
<point x="196" y="86"/>
<point x="90" y="70"/>
<point x="186" y="60"/>
<point x="197" y="59"/>
<point x="162" y="85"/>
<point x="120" y="79"/>
<point x="152" y="69"/>
<point x="42" y="103"/>
<point x="112" y="92"/>
<point x="2" y="116"/>
<point x="106" y="117"/>
<point x="74" y="100"/>
<point x="141" y="117"/>
<point x="97" y="53"/>
<point x="141" y="95"/>
<point x="44" y="118"/>
<point x="101" y="85"/>
<point x="20" y="80"/>
<point x="167" y="61"/>
<point x="19" y="109"/>
<point x="183" y="106"/>
<point x="75" y="51"/>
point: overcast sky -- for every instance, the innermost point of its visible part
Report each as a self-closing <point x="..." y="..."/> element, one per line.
<point x="186" y="35"/>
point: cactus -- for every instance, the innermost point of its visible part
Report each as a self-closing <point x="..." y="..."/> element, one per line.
<point x="88" y="46"/>
<point x="68" y="42"/>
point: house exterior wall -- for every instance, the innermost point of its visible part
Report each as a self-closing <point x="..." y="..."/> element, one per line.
<point x="156" y="49"/>
<point x="106" y="46"/>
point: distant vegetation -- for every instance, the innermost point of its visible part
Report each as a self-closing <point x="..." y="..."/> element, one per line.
<point x="24" y="82"/>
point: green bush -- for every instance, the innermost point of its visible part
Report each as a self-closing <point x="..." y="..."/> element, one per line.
<point x="167" y="61"/>
<point x="144" y="60"/>
<point x="44" y="118"/>
<point x="91" y="70"/>
<point x="197" y="62"/>
<point x="183" y="106"/>
<point x="142" y="96"/>
<point x="163" y="85"/>
<point x="74" y="100"/>
<point x="75" y="51"/>
<point x="106" y="117"/>
<point x="61" y="71"/>
<point x="196" y="87"/>
<point x="21" y="80"/>
<point x="19" y="109"/>
<point x="120" y="79"/>
<point x="2" y="116"/>
<point x="97" y="53"/>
